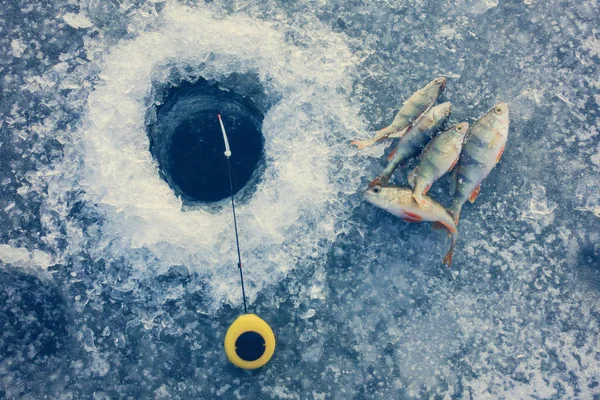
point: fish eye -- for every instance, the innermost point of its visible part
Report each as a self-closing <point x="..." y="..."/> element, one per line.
<point x="459" y="128"/>
<point x="498" y="110"/>
<point x="376" y="189"/>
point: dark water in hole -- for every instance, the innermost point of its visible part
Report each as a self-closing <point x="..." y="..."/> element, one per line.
<point x="188" y="144"/>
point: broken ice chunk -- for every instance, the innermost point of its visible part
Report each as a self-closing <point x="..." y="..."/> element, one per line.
<point x="538" y="203"/>
<point x="77" y="20"/>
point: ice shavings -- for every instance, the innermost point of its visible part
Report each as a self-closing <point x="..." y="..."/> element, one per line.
<point x="481" y="6"/>
<point x="21" y="257"/>
<point x="538" y="203"/>
<point x="295" y="208"/>
<point x="18" y="47"/>
<point x="587" y="195"/>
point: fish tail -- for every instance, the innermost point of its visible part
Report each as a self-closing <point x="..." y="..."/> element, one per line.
<point x="448" y="257"/>
<point x="376" y="136"/>
<point x="362" y="143"/>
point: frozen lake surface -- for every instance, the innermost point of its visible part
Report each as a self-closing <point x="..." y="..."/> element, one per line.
<point x="112" y="286"/>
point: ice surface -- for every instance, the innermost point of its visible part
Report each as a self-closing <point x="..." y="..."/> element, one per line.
<point x="142" y="291"/>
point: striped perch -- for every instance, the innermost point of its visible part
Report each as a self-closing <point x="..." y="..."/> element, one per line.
<point x="399" y="201"/>
<point x="439" y="157"/>
<point x="481" y="152"/>
<point x="411" y="144"/>
<point x="417" y="104"/>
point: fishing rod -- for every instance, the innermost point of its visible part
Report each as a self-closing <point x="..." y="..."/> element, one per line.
<point x="249" y="342"/>
<point x="237" y="238"/>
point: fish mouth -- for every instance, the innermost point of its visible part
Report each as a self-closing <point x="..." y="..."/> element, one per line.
<point x="367" y="194"/>
<point x="370" y="193"/>
<point x="462" y="128"/>
<point x="442" y="82"/>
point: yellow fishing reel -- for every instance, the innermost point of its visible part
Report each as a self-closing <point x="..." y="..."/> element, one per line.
<point x="249" y="342"/>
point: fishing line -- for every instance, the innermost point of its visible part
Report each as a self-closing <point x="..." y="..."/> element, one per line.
<point x="249" y="342"/>
<point x="237" y="239"/>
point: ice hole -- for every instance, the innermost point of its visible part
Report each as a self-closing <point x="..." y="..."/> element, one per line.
<point x="186" y="138"/>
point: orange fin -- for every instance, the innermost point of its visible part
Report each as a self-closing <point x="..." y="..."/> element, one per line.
<point x="443" y="225"/>
<point x="426" y="189"/>
<point x="474" y="194"/>
<point x="392" y="154"/>
<point x="361" y="144"/>
<point x="448" y="258"/>
<point x="420" y="200"/>
<point x="500" y="154"/>
<point x="408" y="219"/>
<point x="416" y="217"/>
<point x="456" y="161"/>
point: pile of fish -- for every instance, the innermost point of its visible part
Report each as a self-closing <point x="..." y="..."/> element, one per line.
<point x="474" y="150"/>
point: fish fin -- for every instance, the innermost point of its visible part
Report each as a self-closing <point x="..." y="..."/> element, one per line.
<point x="419" y="199"/>
<point x="412" y="177"/>
<point x="454" y="163"/>
<point x="454" y="182"/>
<point x="427" y="189"/>
<point x="451" y="229"/>
<point x="392" y="154"/>
<point x="474" y="194"/>
<point x="413" y="216"/>
<point x="407" y="219"/>
<point x="500" y="154"/>
<point x="448" y="257"/>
